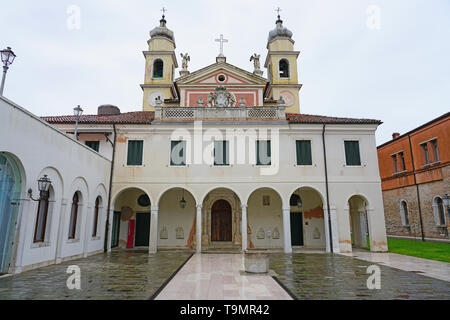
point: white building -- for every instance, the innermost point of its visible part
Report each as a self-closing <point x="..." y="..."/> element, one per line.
<point x="220" y="158"/>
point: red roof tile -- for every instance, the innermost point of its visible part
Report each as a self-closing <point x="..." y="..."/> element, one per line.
<point x="139" y="117"/>
<point x="308" y="118"/>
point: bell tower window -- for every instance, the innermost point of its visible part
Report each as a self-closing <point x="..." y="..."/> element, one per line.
<point x="158" y="68"/>
<point x="284" y="68"/>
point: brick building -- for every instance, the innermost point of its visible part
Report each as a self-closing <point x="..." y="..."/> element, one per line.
<point x="415" y="171"/>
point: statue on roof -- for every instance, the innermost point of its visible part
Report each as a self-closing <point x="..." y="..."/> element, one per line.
<point x="186" y="58"/>
<point x="257" y="66"/>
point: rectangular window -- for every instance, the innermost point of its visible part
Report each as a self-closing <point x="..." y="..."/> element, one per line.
<point x="221" y="153"/>
<point x="435" y="149"/>
<point x="352" y="156"/>
<point x="263" y="153"/>
<point x="303" y="148"/>
<point x="402" y="161"/>
<point x="178" y="153"/>
<point x="425" y="151"/>
<point x="94" y="145"/>
<point x="394" y="158"/>
<point x="135" y="152"/>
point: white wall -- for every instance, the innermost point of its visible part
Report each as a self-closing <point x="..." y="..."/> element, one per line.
<point x="71" y="166"/>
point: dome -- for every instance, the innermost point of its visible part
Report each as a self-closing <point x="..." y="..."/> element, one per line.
<point x="162" y="31"/>
<point x="279" y="31"/>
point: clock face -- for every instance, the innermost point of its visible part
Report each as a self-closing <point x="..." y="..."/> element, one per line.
<point x="152" y="97"/>
<point x="288" y="98"/>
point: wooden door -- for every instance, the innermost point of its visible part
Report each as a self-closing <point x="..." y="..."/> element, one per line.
<point x="142" y="229"/>
<point x="296" y="228"/>
<point x="221" y="221"/>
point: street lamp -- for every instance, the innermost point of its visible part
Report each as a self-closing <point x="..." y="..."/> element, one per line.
<point x="8" y="57"/>
<point x="182" y="201"/>
<point x="77" y="112"/>
<point x="43" y="186"/>
<point x="299" y="201"/>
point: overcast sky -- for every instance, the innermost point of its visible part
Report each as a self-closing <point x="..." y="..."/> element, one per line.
<point x="387" y="60"/>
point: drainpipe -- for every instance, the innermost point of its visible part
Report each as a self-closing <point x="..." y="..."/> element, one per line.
<point x="105" y="245"/>
<point x="326" y="187"/>
<point x="417" y="189"/>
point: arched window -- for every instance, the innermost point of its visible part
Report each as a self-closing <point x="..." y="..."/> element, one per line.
<point x="284" y="68"/>
<point x="96" y="210"/>
<point x="74" y="216"/>
<point x="404" y="214"/>
<point x="439" y="212"/>
<point x="42" y="215"/>
<point x="158" y="68"/>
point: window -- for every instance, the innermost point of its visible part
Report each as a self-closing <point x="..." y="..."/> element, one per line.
<point x="402" y="160"/>
<point x="404" y="214"/>
<point x="41" y="219"/>
<point x="134" y="156"/>
<point x="435" y="150"/>
<point x="263" y="153"/>
<point x="352" y="156"/>
<point x="284" y="68"/>
<point x="221" y="153"/>
<point x="425" y="151"/>
<point x="439" y="212"/>
<point x="303" y="148"/>
<point x="178" y="153"/>
<point x="158" y="68"/>
<point x="394" y="157"/>
<point x="93" y="145"/>
<point x="73" y="216"/>
<point x="96" y="210"/>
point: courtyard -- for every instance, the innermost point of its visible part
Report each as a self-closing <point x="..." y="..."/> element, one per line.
<point x="167" y="275"/>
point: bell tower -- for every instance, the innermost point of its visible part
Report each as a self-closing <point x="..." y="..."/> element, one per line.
<point x="160" y="64"/>
<point x="281" y="64"/>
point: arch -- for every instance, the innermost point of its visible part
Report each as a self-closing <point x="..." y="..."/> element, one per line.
<point x="439" y="211"/>
<point x="168" y="189"/>
<point x="158" y="68"/>
<point x="404" y="212"/>
<point x="293" y="190"/>
<point x="203" y="198"/>
<point x="265" y="187"/>
<point x="284" y="68"/>
<point x="118" y="193"/>
<point x="359" y="220"/>
<point x="12" y="184"/>
<point x="362" y="196"/>
<point x="56" y="179"/>
<point x="80" y="184"/>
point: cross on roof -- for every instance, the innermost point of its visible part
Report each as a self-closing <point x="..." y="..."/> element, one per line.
<point x="164" y="10"/>
<point x="222" y="41"/>
<point x="278" y="10"/>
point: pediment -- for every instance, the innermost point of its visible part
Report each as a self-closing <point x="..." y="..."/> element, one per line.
<point x="221" y="74"/>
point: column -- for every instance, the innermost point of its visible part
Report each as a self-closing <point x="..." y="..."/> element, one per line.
<point x="199" y="228"/>
<point x="110" y="225"/>
<point x="23" y="218"/>
<point x="244" y="227"/>
<point x="363" y="228"/>
<point x="287" y="230"/>
<point x="87" y="228"/>
<point x="153" y="242"/>
<point x="334" y="230"/>
<point x="60" y="236"/>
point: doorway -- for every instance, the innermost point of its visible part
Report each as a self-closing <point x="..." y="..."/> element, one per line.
<point x="115" y="229"/>
<point x="221" y="221"/>
<point x="297" y="228"/>
<point x="142" y="230"/>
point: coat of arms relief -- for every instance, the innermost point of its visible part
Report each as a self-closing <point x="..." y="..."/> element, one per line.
<point x="221" y="98"/>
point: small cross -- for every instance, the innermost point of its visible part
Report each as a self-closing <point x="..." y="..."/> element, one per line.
<point x="278" y="10"/>
<point x="221" y="40"/>
<point x="164" y="10"/>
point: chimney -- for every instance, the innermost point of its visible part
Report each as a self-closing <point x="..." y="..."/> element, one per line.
<point x="108" y="110"/>
<point x="395" y="135"/>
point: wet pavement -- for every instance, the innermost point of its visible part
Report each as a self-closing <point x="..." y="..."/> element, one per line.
<point x="119" y="274"/>
<point x="326" y="276"/>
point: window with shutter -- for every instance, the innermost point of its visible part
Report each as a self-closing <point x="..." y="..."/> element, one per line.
<point x="303" y="148"/>
<point x="178" y="153"/>
<point x="135" y="152"/>
<point x="94" y="145"/>
<point x="352" y="156"/>
<point x="221" y="153"/>
<point x="263" y="153"/>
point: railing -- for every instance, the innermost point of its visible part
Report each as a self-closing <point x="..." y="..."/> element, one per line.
<point x="215" y="113"/>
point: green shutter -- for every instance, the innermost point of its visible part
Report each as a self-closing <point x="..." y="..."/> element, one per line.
<point x="221" y="153"/>
<point x="352" y="156"/>
<point x="178" y="153"/>
<point x="263" y="153"/>
<point x="135" y="150"/>
<point x="93" y="145"/>
<point x="304" y="152"/>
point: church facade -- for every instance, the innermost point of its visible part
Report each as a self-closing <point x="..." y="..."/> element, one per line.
<point x="223" y="158"/>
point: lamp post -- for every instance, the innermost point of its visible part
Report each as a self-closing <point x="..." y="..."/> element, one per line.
<point x="77" y="112"/>
<point x="7" y="56"/>
<point x="43" y="186"/>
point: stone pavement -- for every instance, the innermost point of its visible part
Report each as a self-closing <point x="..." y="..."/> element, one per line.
<point x="327" y="276"/>
<point x="430" y="268"/>
<point x="119" y="274"/>
<point x="218" y="277"/>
